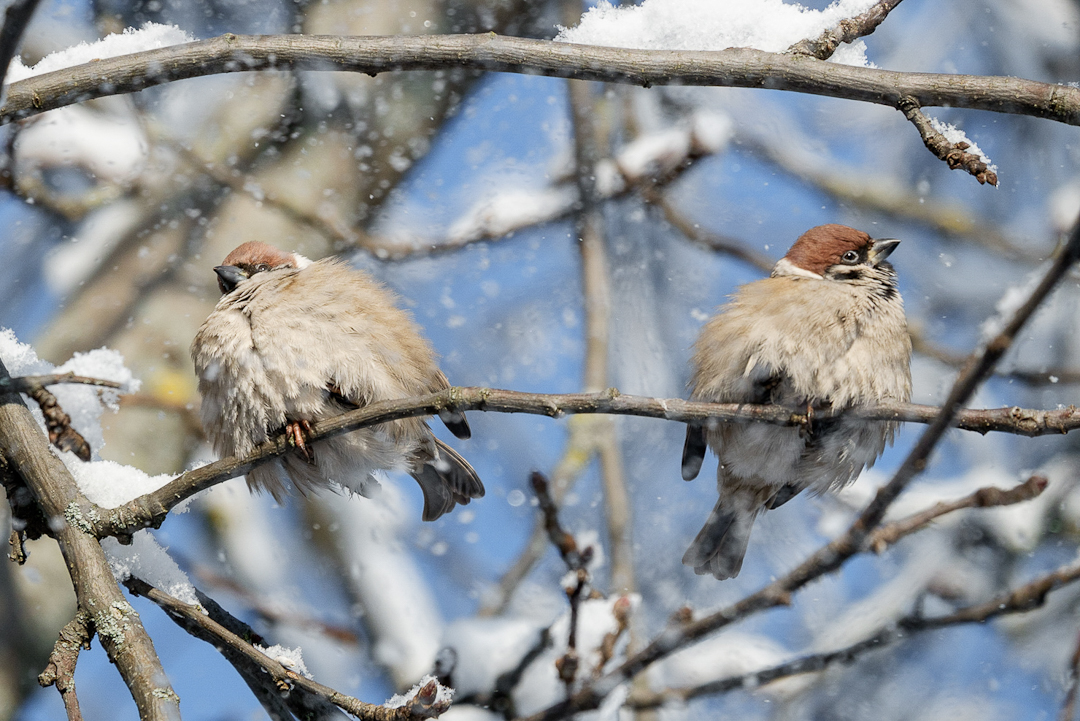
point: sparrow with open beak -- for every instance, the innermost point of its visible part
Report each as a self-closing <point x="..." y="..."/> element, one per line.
<point x="292" y="342"/>
<point x="826" y="330"/>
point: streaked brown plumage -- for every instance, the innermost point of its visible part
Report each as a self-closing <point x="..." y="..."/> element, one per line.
<point x="292" y="342"/>
<point x="827" y="329"/>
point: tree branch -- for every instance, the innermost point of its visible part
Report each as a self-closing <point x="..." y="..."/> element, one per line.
<point x="199" y="624"/>
<point x="1025" y="598"/>
<point x="27" y="455"/>
<point x="987" y="497"/>
<point x="734" y="67"/>
<point x="74" y="637"/>
<point x="16" y="18"/>
<point x="150" y="509"/>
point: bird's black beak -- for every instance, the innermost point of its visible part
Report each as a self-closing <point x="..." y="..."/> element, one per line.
<point x="228" y="277"/>
<point x="881" y="249"/>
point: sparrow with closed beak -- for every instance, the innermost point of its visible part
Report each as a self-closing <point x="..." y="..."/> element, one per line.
<point x="292" y="342"/>
<point x="826" y="331"/>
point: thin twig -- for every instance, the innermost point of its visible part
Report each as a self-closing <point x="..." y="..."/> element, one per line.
<point x="560" y="538"/>
<point x="58" y="424"/>
<point x="955" y="155"/>
<point x="890" y="533"/>
<point x="199" y="623"/>
<point x="25" y="384"/>
<point x="74" y="637"/>
<point x="150" y="509"/>
<point x="707" y="239"/>
<point x="1024" y="598"/>
<point x="577" y="454"/>
<point x="846" y="31"/>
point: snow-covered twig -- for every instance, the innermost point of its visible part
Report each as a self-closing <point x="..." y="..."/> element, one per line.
<point x="823" y="46"/>
<point x="955" y="154"/>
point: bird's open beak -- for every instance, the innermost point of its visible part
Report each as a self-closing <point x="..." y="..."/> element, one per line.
<point x="228" y="277"/>
<point x="881" y="249"/>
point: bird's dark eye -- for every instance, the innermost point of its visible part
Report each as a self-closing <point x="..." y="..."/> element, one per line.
<point x="262" y="268"/>
<point x="850" y="257"/>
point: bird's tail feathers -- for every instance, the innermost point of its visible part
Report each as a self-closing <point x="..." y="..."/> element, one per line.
<point x="720" y="546"/>
<point x="446" y="479"/>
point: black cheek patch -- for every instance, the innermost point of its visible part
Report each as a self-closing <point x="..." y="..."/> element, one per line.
<point x="845" y="274"/>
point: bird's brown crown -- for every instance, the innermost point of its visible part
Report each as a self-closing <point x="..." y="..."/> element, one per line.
<point x="824" y="246"/>
<point x="253" y="253"/>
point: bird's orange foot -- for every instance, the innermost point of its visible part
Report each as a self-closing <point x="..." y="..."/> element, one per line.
<point x="297" y="432"/>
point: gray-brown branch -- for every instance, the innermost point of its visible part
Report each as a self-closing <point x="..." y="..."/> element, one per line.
<point x="26" y="453"/>
<point x="1029" y="596"/>
<point x="194" y="620"/>
<point x="150" y="509"/>
<point x="734" y="67"/>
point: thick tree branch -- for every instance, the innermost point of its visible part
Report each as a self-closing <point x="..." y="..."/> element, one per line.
<point x="27" y="455"/>
<point x="199" y="624"/>
<point x="846" y="31"/>
<point x="734" y="67"/>
<point x="151" y="509"/>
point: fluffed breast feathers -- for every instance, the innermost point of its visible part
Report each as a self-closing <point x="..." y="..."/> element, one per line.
<point x="825" y="340"/>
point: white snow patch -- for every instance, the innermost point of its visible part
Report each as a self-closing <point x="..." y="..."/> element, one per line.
<point x="955" y="135"/>
<point x="150" y="36"/>
<point x="290" y="658"/>
<point x="540" y="685"/>
<point x="110" y="484"/>
<point x="73" y="262"/>
<point x="487" y="648"/>
<point x="110" y="146"/>
<point x="443" y="694"/>
<point x="770" y="25"/>
<point x="85" y="404"/>
<point x="496" y="216"/>
<point x="146" y="560"/>
<point x="729" y="654"/>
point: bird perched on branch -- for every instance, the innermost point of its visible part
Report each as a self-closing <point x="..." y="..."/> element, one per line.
<point x="292" y="342"/>
<point x="826" y="330"/>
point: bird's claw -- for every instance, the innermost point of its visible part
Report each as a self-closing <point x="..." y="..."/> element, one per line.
<point x="297" y="432"/>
